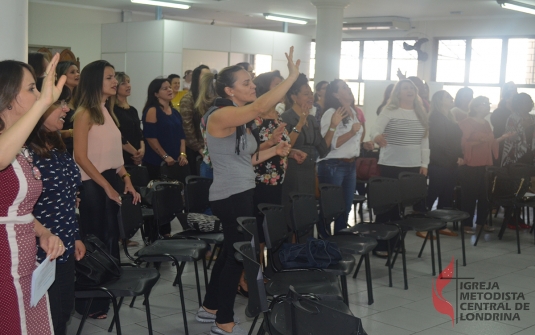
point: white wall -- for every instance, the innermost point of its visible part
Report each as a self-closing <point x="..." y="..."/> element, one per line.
<point x="146" y="50"/>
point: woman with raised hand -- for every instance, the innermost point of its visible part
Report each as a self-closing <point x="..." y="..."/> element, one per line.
<point x="56" y="207"/>
<point x="21" y="107"/>
<point x="98" y="153"/>
<point x="129" y="123"/>
<point x="233" y="152"/>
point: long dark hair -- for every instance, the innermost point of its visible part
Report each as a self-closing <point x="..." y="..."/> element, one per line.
<point x="226" y="78"/>
<point x="35" y="59"/>
<point x="386" y="96"/>
<point x="62" y="68"/>
<point x="195" y="79"/>
<point x="40" y="138"/>
<point x="318" y="88"/>
<point x="330" y="100"/>
<point x="89" y="92"/>
<point x="462" y="94"/>
<point x="154" y="87"/>
<point x="11" y="75"/>
<point x="301" y="81"/>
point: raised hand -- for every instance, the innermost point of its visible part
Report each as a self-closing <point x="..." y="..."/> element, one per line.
<point x="293" y="68"/>
<point x="340" y="114"/>
<point x="51" y="91"/>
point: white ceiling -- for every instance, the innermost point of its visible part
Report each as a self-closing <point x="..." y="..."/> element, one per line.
<point x="249" y="12"/>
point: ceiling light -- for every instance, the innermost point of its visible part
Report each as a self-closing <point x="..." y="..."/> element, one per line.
<point x="288" y="19"/>
<point x="162" y="3"/>
<point x="518" y="6"/>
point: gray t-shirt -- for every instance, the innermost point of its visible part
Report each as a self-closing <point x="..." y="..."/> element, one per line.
<point x="233" y="173"/>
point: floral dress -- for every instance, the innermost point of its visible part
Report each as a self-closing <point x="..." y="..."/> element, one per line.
<point x="273" y="170"/>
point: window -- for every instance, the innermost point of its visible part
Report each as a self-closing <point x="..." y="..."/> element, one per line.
<point x="404" y="61"/>
<point x="520" y="61"/>
<point x="485" y="61"/>
<point x="312" y="69"/>
<point x="451" y="61"/>
<point x="350" y="60"/>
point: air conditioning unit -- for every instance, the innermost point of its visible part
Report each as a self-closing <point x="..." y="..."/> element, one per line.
<point x="359" y="24"/>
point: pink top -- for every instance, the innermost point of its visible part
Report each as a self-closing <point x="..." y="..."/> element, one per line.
<point x="478" y="143"/>
<point x="104" y="146"/>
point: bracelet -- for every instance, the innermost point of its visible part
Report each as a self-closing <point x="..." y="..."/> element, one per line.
<point x="71" y="132"/>
<point x="125" y="175"/>
<point x="332" y="129"/>
<point x="182" y="154"/>
<point x="165" y="156"/>
<point x="295" y="130"/>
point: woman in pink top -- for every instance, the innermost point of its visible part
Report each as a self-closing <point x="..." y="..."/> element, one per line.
<point x="99" y="154"/>
<point x="479" y="146"/>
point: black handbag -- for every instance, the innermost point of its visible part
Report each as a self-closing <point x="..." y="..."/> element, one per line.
<point x="317" y="254"/>
<point x="98" y="266"/>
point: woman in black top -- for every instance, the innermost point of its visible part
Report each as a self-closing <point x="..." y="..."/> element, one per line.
<point x="129" y="123"/>
<point x="71" y="71"/>
<point x="446" y="153"/>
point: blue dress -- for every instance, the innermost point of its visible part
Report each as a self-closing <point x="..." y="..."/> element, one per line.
<point x="167" y="130"/>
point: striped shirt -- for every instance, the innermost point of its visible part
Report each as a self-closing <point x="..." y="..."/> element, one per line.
<point x="406" y="144"/>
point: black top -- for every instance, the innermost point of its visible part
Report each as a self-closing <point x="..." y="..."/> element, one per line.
<point x="130" y="127"/>
<point x="444" y="141"/>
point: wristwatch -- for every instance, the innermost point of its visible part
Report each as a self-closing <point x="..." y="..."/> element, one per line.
<point x="165" y="156"/>
<point x="295" y="130"/>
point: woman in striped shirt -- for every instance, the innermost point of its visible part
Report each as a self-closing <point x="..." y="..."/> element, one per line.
<point x="402" y="130"/>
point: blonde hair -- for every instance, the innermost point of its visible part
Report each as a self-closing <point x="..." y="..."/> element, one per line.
<point x="207" y="94"/>
<point x="480" y="100"/>
<point x="121" y="78"/>
<point x="394" y="103"/>
<point x="437" y="104"/>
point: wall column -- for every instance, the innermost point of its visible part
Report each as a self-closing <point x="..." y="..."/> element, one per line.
<point x="329" y="23"/>
<point x="14" y="28"/>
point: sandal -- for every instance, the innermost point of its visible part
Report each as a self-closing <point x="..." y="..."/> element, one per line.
<point x="98" y="315"/>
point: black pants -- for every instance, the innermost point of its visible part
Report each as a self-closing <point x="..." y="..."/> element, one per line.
<point x="164" y="229"/>
<point x="98" y="216"/>
<point x="442" y="182"/>
<point x="221" y="291"/>
<point x="269" y="194"/>
<point x="474" y="190"/>
<point x="61" y="296"/>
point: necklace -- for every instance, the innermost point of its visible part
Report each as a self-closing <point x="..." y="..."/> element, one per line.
<point x="28" y="157"/>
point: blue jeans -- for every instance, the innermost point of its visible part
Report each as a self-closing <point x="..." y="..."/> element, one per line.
<point x="206" y="171"/>
<point x="344" y="174"/>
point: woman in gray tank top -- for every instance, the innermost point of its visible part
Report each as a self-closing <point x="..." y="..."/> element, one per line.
<point x="233" y="152"/>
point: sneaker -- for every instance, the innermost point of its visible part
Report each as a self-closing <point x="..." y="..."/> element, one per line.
<point x="206" y="317"/>
<point x="236" y="330"/>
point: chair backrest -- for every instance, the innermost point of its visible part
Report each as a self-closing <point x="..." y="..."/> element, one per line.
<point x="304" y="315"/>
<point x="250" y="231"/>
<point x="167" y="202"/>
<point x="332" y="202"/>
<point x="175" y="172"/>
<point x="506" y="185"/>
<point x="197" y="192"/>
<point x="275" y="234"/>
<point x="383" y="194"/>
<point x="130" y="217"/>
<point x="139" y="175"/>
<point x="257" y="302"/>
<point x="304" y="213"/>
<point x="519" y="169"/>
<point x="412" y="188"/>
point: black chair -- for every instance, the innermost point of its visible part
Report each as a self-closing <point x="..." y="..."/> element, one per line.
<point x="305" y="280"/>
<point x="305" y="218"/>
<point x="196" y="196"/>
<point x="175" y="172"/>
<point x="332" y="206"/>
<point x="178" y="250"/>
<point x="276" y="315"/>
<point x="414" y="190"/>
<point x="276" y="233"/>
<point x="358" y="200"/>
<point x="507" y="188"/>
<point x="138" y="175"/>
<point x="134" y="282"/>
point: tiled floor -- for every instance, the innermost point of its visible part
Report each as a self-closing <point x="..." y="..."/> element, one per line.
<point x="395" y="311"/>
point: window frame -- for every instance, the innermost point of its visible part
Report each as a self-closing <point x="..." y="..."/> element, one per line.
<point x="468" y="59"/>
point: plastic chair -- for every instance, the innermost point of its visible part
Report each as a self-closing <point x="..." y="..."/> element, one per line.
<point x="175" y="250"/>
<point x="305" y="218"/>
<point x="174" y="172"/>
<point x="276" y="233"/>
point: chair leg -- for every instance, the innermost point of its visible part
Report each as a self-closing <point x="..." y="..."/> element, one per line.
<point x="345" y="294"/>
<point x="518" y="230"/>
<point x="212" y="256"/>
<point x="502" y="229"/>
<point x="205" y="274"/>
<point x="147" y="309"/>
<point x="355" y="212"/>
<point x="439" y="255"/>
<point x="368" y="278"/>
<point x="182" y="303"/>
<point x="389" y="267"/>
<point x="423" y="245"/>
<point x="430" y="235"/>
<point x="84" y="317"/>
<point x="478" y="234"/>
<point x="358" y="267"/>
<point x="361" y="212"/>
<point x="197" y="282"/>
<point x="397" y="245"/>
<point x="132" y="302"/>
<point x="254" y="324"/>
<point x="179" y="269"/>
<point x="116" y="316"/>
<point x="404" y="260"/>
<point x="113" y="320"/>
